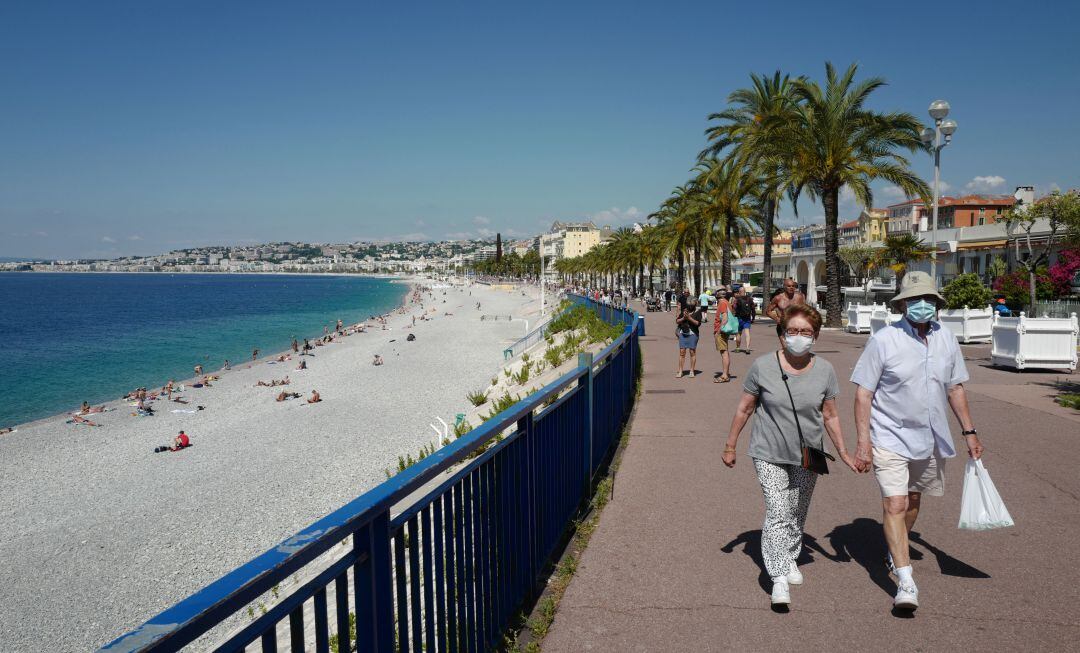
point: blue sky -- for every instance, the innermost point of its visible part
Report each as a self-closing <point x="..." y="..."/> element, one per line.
<point x="143" y="126"/>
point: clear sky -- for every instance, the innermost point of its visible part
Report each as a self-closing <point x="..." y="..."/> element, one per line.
<point x="142" y="126"/>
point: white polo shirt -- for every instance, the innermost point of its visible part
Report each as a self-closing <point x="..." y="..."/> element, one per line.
<point x="910" y="381"/>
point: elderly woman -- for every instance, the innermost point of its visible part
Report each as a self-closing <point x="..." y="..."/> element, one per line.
<point x="792" y="395"/>
<point x="687" y="323"/>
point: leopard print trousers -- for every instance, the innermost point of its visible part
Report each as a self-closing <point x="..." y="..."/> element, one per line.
<point x="787" y="490"/>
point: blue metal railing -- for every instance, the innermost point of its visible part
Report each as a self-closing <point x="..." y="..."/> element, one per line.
<point x="445" y="571"/>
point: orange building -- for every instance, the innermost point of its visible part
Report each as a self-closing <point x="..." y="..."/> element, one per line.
<point x="972" y="210"/>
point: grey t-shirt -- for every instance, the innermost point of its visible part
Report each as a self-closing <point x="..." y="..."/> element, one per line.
<point x="774" y="437"/>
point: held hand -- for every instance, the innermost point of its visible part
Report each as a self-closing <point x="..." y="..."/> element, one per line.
<point x="975" y="448"/>
<point x="729" y="458"/>
<point x="849" y="461"/>
<point x="864" y="457"/>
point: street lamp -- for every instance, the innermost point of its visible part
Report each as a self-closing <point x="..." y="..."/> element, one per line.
<point x="937" y="138"/>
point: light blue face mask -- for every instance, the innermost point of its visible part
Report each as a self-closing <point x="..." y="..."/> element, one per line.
<point x="920" y="311"/>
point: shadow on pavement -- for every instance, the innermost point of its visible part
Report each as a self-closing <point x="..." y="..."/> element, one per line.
<point x="949" y="565"/>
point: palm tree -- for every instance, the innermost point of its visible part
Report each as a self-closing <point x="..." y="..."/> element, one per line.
<point x="730" y="188"/>
<point x="677" y="219"/>
<point x="834" y="142"/>
<point x="899" y="251"/>
<point x="751" y="128"/>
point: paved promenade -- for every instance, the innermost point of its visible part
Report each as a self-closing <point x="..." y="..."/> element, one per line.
<point x="675" y="562"/>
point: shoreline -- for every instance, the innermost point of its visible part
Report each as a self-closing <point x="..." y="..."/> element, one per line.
<point x="98" y="527"/>
<point x="409" y="281"/>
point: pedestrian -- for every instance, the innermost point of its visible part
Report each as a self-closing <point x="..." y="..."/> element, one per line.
<point x="687" y="324"/>
<point x="744" y="311"/>
<point x="704" y="299"/>
<point x="667" y="298"/>
<point x="720" y="339"/>
<point x="782" y="300"/>
<point x="791" y="393"/>
<point x="255" y="354"/>
<point x="295" y="345"/>
<point x="905" y="376"/>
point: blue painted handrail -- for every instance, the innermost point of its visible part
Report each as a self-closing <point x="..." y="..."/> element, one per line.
<point x="447" y="570"/>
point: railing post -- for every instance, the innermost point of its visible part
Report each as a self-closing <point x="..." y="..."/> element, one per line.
<point x="586" y="360"/>
<point x="372" y="579"/>
<point x="531" y="545"/>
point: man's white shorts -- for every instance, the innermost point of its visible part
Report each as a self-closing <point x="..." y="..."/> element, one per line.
<point x="897" y="476"/>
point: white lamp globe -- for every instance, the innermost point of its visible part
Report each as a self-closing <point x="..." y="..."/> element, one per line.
<point x="939" y="109"/>
<point x="948" y="127"/>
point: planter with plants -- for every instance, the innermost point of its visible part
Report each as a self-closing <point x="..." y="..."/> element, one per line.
<point x="1042" y="342"/>
<point x="968" y="313"/>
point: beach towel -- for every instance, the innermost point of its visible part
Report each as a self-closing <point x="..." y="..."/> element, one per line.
<point x="183" y="410"/>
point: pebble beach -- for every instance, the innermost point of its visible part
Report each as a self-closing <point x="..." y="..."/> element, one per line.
<point x="99" y="533"/>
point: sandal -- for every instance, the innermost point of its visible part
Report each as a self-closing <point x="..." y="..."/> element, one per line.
<point x="722" y="379"/>
<point x="679" y="375"/>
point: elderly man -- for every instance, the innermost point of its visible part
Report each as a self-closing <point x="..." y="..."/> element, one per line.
<point x="905" y="376"/>
<point x="781" y="301"/>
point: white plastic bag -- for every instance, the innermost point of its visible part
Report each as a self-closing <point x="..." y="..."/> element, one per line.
<point x="981" y="507"/>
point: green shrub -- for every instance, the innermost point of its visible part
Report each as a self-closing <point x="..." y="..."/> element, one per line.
<point x="462" y="428"/>
<point x="966" y="290"/>
<point x="1069" y="400"/>
<point x="555" y="356"/>
<point x="522" y="376"/>
<point x="478" y="398"/>
<point x="501" y="404"/>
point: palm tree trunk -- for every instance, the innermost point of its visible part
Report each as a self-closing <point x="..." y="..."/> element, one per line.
<point x="725" y="264"/>
<point x="766" y="266"/>
<point x="680" y="280"/>
<point x="830" y="198"/>
<point x="697" y="267"/>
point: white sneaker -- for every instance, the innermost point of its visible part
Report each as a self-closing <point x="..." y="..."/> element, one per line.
<point x="794" y="577"/>
<point x="780" y="593"/>
<point x="907" y="597"/>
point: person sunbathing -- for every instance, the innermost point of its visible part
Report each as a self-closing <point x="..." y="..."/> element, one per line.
<point x="79" y="419"/>
<point x="288" y="395"/>
<point x="315" y="398"/>
<point x="87" y="409"/>
<point x="378" y="360"/>
<point x="303" y="365"/>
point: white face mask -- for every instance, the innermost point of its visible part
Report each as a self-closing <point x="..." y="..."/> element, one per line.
<point x="798" y="345"/>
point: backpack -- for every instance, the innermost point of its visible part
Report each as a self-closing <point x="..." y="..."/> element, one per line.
<point x="744" y="308"/>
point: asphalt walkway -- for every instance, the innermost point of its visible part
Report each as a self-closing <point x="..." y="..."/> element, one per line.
<point x="675" y="562"/>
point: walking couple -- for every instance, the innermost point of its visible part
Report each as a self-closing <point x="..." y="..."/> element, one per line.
<point x="904" y="379"/>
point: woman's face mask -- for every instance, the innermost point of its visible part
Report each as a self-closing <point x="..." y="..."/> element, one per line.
<point x="920" y="311"/>
<point x="798" y="345"/>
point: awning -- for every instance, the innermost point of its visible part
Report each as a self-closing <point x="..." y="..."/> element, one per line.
<point x="982" y="244"/>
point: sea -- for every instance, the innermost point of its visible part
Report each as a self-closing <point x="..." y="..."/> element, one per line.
<point x="73" y="337"/>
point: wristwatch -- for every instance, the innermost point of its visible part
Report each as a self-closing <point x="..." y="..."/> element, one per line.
<point x="970" y="432"/>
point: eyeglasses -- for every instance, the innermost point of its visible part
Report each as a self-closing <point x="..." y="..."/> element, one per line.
<point x="800" y="332"/>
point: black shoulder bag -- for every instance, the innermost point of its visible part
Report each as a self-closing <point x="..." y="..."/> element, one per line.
<point x="813" y="459"/>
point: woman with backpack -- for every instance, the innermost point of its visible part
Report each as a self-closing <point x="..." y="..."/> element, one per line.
<point x="721" y="332"/>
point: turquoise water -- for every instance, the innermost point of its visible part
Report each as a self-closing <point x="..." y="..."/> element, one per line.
<point x="75" y="337"/>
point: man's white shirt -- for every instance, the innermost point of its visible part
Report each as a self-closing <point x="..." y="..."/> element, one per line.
<point x="910" y="382"/>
